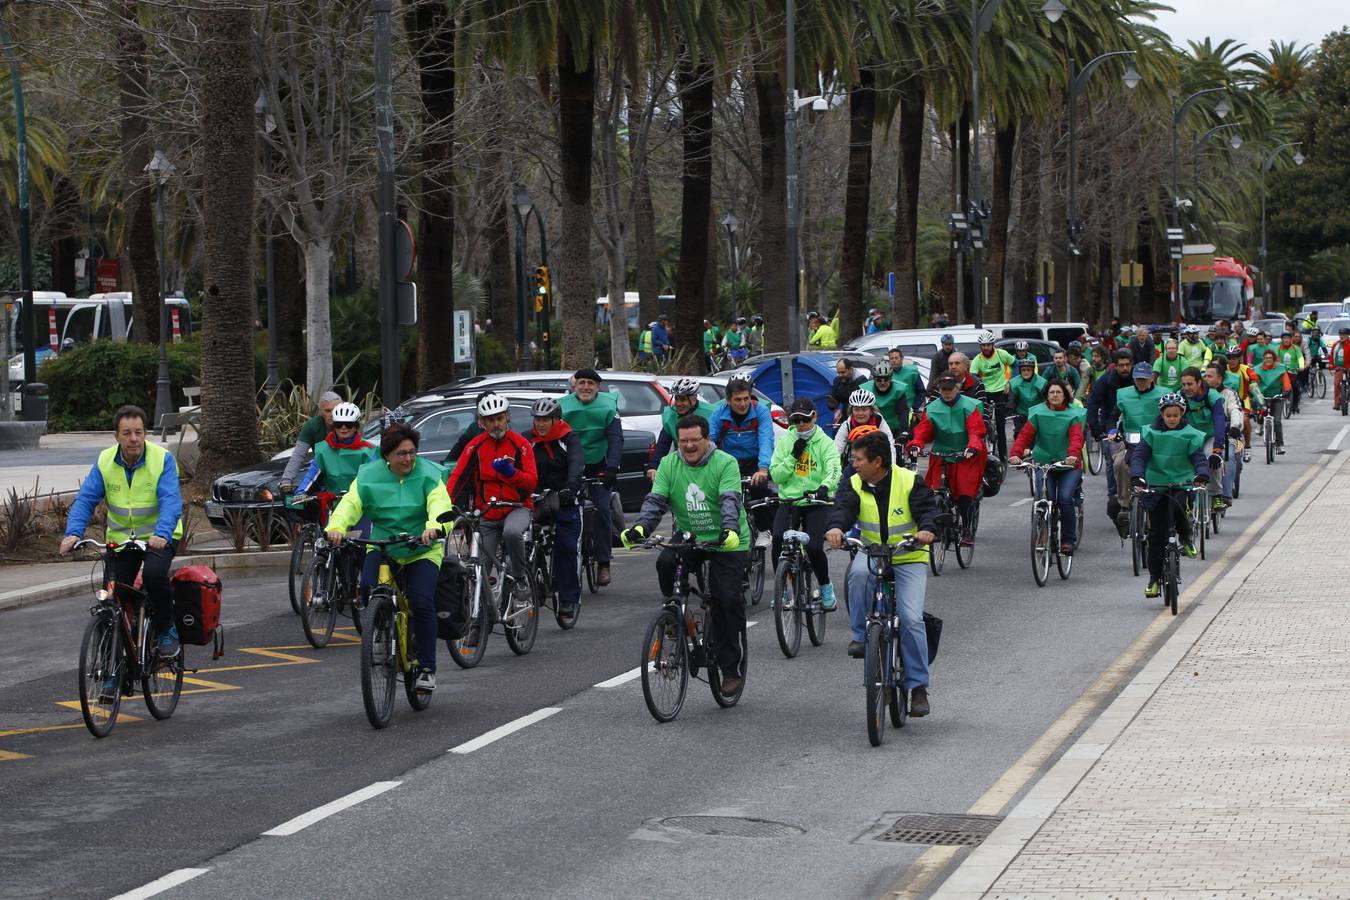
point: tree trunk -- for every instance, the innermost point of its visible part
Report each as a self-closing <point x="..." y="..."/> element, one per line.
<point x="576" y="108"/>
<point x="905" y="313"/>
<point x="862" y="111"/>
<point x="995" y="261"/>
<point x="229" y="82"/>
<point x="318" y="323"/>
<point x="289" y="286"/>
<point x="691" y="273"/>
<point x="646" y="263"/>
<point x="966" y="291"/>
<point x="137" y="194"/>
<point x="501" y="272"/>
<point x="613" y="240"/>
<point x="1023" y="271"/>
<point x="434" y="41"/>
<point x="774" y="278"/>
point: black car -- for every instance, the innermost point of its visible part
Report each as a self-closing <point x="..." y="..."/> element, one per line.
<point x="254" y="492"/>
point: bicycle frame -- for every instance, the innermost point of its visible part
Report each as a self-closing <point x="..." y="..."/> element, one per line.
<point x="697" y="638"/>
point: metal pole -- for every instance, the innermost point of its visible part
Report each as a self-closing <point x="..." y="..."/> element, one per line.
<point x="522" y="352"/>
<point x="1073" y="196"/>
<point x="1263" y="239"/>
<point x="548" y="300"/>
<point x="163" y="400"/>
<point x="28" y="312"/>
<point x="390" y="362"/>
<point x="1175" y="311"/>
<point x="976" y="256"/>
<point x="273" y="370"/>
<point x="794" y="336"/>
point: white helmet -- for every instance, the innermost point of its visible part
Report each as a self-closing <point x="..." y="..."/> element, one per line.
<point x="984" y="337"/>
<point x="881" y="369"/>
<point x="493" y="404"/>
<point x="861" y="397"/>
<point x="1021" y="346"/>
<point x="346" y="414"/>
<point x="684" y="387"/>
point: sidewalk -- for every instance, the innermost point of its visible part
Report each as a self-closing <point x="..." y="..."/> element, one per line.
<point x="1223" y="769"/>
<point x="62" y="461"/>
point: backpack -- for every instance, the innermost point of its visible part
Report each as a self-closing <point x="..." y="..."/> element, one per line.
<point x="993" y="476"/>
<point x="196" y="604"/>
<point x="452" y="602"/>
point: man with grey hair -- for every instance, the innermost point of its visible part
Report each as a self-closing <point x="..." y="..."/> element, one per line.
<point x="972" y="387"/>
<point x="312" y="433"/>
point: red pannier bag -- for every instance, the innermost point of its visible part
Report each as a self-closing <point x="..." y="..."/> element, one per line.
<point x="196" y="602"/>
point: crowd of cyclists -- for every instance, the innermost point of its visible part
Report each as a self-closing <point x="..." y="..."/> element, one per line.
<point x="1166" y="412"/>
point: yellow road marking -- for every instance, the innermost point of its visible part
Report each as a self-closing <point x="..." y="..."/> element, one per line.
<point x="919" y="877"/>
<point x="7" y="755"/>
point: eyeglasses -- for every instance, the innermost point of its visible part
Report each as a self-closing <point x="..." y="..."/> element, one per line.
<point x="404" y="454"/>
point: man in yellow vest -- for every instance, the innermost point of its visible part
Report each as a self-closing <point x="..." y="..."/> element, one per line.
<point x="139" y="481"/>
<point x="887" y="501"/>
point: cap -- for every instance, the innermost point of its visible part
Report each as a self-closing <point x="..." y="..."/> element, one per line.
<point x="1142" y="370"/>
<point x="587" y="373"/>
<point x="801" y="408"/>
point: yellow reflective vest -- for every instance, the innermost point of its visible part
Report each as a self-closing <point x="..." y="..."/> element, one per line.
<point x="899" y="520"/>
<point x="133" y="509"/>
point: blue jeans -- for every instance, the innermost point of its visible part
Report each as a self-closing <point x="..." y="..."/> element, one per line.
<point x="567" y="555"/>
<point x="1064" y="491"/>
<point x="420" y="585"/>
<point x="911" y="580"/>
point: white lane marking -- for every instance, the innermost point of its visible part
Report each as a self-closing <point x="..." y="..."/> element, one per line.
<point x="301" y="822"/>
<point x="160" y="885"/>
<point x="497" y="734"/>
<point x="1023" y="502"/>
<point x="1340" y="436"/>
<point x="752" y="623"/>
<point x="620" y="679"/>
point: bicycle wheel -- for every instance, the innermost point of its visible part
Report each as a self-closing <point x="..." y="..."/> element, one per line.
<point x="787" y="613"/>
<point x="418" y="702"/>
<point x="937" y="551"/>
<point x="349" y="586"/>
<point x="521" y="624"/>
<point x="1268" y="435"/>
<point x="302" y="553"/>
<point x="1321" y="384"/>
<point x="1063" y="563"/>
<point x="715" y="674"/>
<point x="966" y="555"/>
<point x="101" y="665"/>
<point x="163" y="684"/>
<point x="1096" y="454"/>
<point x="318" y="601"/>
<point x="1171" y="578"/>
<point x="1040" y="547"/>
<point x="757" y="565"/>
<point x="816" y="617"/>
<point x="897" y="701"/>
<point x="467" y="651"/>
<point x="1138" y="530"/>
<point x="1200" y="522"/>
<point x="874" y="682"/>
<point x="379" y="659"/>
<point x="665" y="666"/>
<point x="1286" y="410"/>
<point x="588" y="564"/>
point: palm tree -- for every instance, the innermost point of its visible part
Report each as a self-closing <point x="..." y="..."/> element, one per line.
<point x="135" y="101"/>
<point x="695" y="81"/>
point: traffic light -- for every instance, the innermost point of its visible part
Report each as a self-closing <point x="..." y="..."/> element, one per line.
<point x="542" y="288"/>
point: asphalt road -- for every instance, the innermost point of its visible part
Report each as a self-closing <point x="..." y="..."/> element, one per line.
<point x="572" y="804"/>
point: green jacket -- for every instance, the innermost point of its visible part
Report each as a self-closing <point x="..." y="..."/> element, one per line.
<point x="1169" y="371"/>
<point x="887" y="403"/>
<point x="817" y="466"/>
<point x="669" y="416"/>
<point x="394" y="505"/>
<point x="1027" y="393"/>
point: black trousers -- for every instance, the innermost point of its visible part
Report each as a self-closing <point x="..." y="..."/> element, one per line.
<point x="726" y="601"/>
<point x="813" y="520"/>
<point x="1166" y="511"/>
<point x="154" y="580"/>
<point x="1003" y="408"/>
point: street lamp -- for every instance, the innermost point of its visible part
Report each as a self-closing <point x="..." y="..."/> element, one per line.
<point x="266" y="125"/>
<point x="1265" y="167"/>
<point x="1077" y="84"/>
<point x="160" y="171"/>
<point x="1179" y="113"/>
<point x="1235" y="142"/>
<point x="732" y="225"/>
<point x="522" y="206"/>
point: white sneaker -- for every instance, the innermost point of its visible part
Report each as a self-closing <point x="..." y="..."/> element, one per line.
<point x="425" y="684"/>
<point x="764" y="539"/>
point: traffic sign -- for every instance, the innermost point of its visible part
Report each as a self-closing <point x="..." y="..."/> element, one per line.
<point x="405" y="251"/>
<point x="890" y="283"/>
<point x="463" y="335"/>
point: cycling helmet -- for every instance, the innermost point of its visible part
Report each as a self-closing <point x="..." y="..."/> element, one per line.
<point x="861" y="397"/>
<point x="1026" y="361"/>
<point x="651" y="324"/>
<point x="984" y="337"/>
<point x="492" y="404"/>
<point x="1235" y="351"/>
<point x="1075" y="346"/>
<point x="756" y="320"/>
<point x="546" y="408"/>
<point x="1021" y="346"/>
<point x="882" y="369"/>
<point x="68" y="344"/>
<point x="1171" y="398"/>
<point x="684" y="387"/>
<point x="813" y="315"/>
<point x="948" y="339"/>
<point x="861" y="430"/>
<point x="741" y="320"/>
<point x="1192" y="329"/>
<point x="346" y="414"/>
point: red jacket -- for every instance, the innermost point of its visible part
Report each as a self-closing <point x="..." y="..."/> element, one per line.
<point x="475" y="482"/>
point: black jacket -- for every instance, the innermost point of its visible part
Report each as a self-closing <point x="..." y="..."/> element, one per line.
<point x="1101" y="405"/>
<point x="559" y="461"/>
<point x="840" y="389"/>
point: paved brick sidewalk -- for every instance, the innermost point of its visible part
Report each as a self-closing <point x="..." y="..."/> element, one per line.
<point x="1224" y="769"/>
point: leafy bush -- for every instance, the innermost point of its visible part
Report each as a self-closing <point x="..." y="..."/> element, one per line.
<point x="86" y="384"/>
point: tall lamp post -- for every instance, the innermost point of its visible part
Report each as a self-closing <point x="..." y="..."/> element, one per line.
<point x="266" y="125"/>
<point x="391" y="369"/>
<point x="1077" y="83"/>
<point x="1265" y="167"/>
<point x="732" y="225"/>
<point x="1235" y="142"/>
<point x="1178" y="114"/>
<point x="28" y="313"/>
<point x="160" y="171"/>
<point x="542" y="326"/>
<point x="521" y="206"/>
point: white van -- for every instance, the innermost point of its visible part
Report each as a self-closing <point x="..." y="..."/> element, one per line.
<point x="923" y="343"/>
<point x="1057" y="332"/>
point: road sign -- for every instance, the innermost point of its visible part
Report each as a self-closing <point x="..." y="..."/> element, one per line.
<point x="890" y="283"/>
<point x="1131" y="274"/>
<point x="405" y="251"/>
<point x="463" y="335"/>
<point x="1040" y="299"/>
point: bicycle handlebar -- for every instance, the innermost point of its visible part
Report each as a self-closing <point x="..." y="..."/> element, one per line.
<point x="411" y="540"/>
<point x="132" y="544"/>
<point x="680" y="540"/>
<point x="907" y="544"/>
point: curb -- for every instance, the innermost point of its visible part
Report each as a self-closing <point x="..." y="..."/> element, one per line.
<point x="978" y="872"/>
<point x="67" y="587"/>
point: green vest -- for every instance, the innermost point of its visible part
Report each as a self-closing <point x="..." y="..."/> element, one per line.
<point x="1339" y="358"/>
<point x="1272" y="380"/>
<point x="886" y="402"/>
<point x="399" y="505"/>
<point x="1169" y="371"/>
<point x="339" y="466"/>
<point x="1027" y="394"/>
<point x="1170" y="462"/>
<point x="908" y="376"/>
<point x="1137" y="411"/>
<point x="589" y="421"/>
<point x="1052" y="432"/>
<point x="1233" y="381"/>
<point x="645" y="341"/>
<point x="133" y="509"/>
<point x="1200" y="413"/>
<point x="899" y="520"/>
<point x="949" y="423"/>
<point x="734" y="339"/>
<point x="695" y="493"/>
<point x="708" y="339"/>
<point x="669" y="416"/>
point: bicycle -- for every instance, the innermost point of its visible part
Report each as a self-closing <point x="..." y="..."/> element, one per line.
<point x="120" y="648"/>
<point x="539" y="562"/>
<point x="1045" y="523"/>
<point x="331" y="585"/>
<point x="1198" y="507"/>
<point x="1319" y="384"/>
<point x="883" y="665"/>
<point x="678" y="643"/>
<point x="387" y="648"/>
<point x="1171" y="575"/>
<point x="794" y="596"/>
<point x="489" y="600"/>
<point x="756" y="554"/>
<point x="312" y="511"/>
<point x="1096" y="455"/>
<point x="1268" y="424"/>
<point x="949" y="522"/>
<point x="590" y="566"/>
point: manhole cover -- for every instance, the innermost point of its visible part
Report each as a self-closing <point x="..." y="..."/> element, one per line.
<point x="732" y="826"/>
<point x="964" y="831"/>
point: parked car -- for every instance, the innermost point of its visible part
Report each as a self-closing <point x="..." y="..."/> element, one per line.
<point x="862" y="361"/>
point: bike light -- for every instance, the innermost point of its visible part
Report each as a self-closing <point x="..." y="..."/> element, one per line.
<point x="101" y="595"/>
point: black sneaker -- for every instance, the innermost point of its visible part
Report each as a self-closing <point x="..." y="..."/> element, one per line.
<point x="918" y="702"/>
<point x="1112" y="507"/>
<point x="856" y="649"/>
<point x="730" y="685"/>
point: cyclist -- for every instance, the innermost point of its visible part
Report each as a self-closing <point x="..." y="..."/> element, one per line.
<point x="1192" y="349"/>
<point x="340" y="454"/>
<point x="1102" y="414"/>
<point x="559" y="460"/>
<point x="846" y="381"/>
<point x="1138" y="407"/>
<point x="701" y="488"/>
<point x="594" y="415"/>
<point x="743" y="427"/>
<point x="970" y="386"/>
<point x="906" y="375"/>
<point x="805" y="465"/>
<point x="1257" y="351"/>
<point x="1021" y="351"/>
<point x="734" y="341"/>
<point x="1141" y="346"/>
<point x="1208" y="414"/>
<point x="822" y="336"/>
<point x="710" y="341"/>
<point x="1168" y="367"/>
<point x="1340" y="363"/>
<point x="862" y="410"/>
<point x="1170" y="452"/>
<point x="1083" y="367"/>
<point x="312" y="433"/>
<point x="1054" y="433"/>
<point x="993" y="366"/>
<point x="955" y="426"/>
<point x="888" y="501"/>
<point x="942" y="359"/>
<point x="498" y="465"/>
<point x="1291" y="356"/>
<point x="400" y="493"/>
<point x="138" y="480"/>
<point x="754" y="338"/>
<point x="1028" y="390"/>
<point x="889" y="396"/>
<point x="684" y="399"/>
<point x="645" y="345"/>
<point x="1276" y="385"/>
<point x="661" y="336"/>
<point x="1239" y="378"/>
<point x="1058" y="369"/>
<point x="1215" y="373"/>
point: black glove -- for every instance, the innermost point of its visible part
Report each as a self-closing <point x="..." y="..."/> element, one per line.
<point x="1202" y="479"/>
<point x="799" y="447"/>
<point x="1215" y="460"/>
<point x="1097" y="434"/>
<point x="970" y="453"/>
<point x="567" y="497"/>
<point x="822" y="493"/>
<point x="609" y="478"/>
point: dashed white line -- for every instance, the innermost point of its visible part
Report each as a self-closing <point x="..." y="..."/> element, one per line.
<point x="160" y="885"/>
<point x="497" y="734"/>
<point x="1340" y="436"/>
<point x="620" y="679"/>
<point x="1023" y="502"/>
<point x="752" y="623"/>
<point x="318" y="814"/>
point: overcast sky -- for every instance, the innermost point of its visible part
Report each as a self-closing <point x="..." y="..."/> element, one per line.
<point x="1254" y="22"/>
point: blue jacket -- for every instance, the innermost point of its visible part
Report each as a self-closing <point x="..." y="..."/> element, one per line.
<point x="1101" y="405"/>
<point x="660" y="339"/>
<point x="167" y="492"/>
<point x="751" y="439"/>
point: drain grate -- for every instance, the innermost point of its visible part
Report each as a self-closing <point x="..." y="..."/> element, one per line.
<point x="731" y="826"/>
<point x="961" y="831"/>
